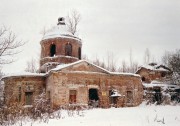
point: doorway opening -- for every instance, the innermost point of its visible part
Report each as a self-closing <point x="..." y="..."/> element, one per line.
<point x="93" y="98"/>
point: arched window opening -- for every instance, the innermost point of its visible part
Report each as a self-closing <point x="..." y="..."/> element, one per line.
<point x="68" y="49"/>
<point x="163" y="74"/>
<point x="79" y="52"/>
<point x="143" y="79"/>
<point x="53" y="50"/>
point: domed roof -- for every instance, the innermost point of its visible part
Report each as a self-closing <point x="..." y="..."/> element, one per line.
<point x="60" y="30"/>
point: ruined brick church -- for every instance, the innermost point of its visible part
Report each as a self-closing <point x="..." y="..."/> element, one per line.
<point x="68" y="80"/>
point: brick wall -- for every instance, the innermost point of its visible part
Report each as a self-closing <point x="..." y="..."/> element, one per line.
<point x="14" y="86"/>
<point x="63" y="82"/>
<point x="60" y="48"/>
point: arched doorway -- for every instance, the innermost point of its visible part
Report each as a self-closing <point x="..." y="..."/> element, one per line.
<point x="93" y="97"/>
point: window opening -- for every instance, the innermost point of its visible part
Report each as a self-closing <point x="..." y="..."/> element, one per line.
<point x="53" y="50"/>
<point x="79" y="53"/>
<point x="28" y="96"/>
<point x="19" y="94"/>
<point x="129" y="96"/>
<point x="68" y="49"/>
<point x="72" y="96"/>
<point x="163" y="74"/>
<point x="143" y="79"/>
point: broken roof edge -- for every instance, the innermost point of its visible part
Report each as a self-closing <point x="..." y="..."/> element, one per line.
<point x="165" y="70"/>
<point x="24" y="74"/>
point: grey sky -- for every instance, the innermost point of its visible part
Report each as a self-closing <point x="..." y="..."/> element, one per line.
<point x="114" y="26"/>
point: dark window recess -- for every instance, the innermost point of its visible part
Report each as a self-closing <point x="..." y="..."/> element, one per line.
<point x="93" y="94"/>
<point x="143" y="78"/>
<point x="68" y="49"/>
<point x="79" y="53"/>
<point x="28" y="96"/>
<point x="129" y="96"/>
<point x="53" y="50"/>
<point x="72" y="96"/>
<point x="163" y="74"/>
<point x="19" y="95"/>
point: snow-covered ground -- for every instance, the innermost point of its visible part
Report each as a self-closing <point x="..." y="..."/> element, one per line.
<point x="131" y="116"/>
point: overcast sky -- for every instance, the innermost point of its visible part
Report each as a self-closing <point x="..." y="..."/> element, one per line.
<point x="106" y="25"/>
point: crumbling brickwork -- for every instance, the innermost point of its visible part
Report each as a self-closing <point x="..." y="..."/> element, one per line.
<point x="59" y="84"/>
<point x="150" y="75"/>
<point x="73" y="81"/>
<point x="17" y="87"/>
<point x="60" y="44"/>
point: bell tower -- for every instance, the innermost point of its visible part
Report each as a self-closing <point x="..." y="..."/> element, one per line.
<point x="59" y="46"/>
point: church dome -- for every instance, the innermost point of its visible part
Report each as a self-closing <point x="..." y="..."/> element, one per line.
<point x="59" y="46"/>
<point x="60" y="30"/>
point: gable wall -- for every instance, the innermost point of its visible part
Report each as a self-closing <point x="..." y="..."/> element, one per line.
<point x="84" y="66"/>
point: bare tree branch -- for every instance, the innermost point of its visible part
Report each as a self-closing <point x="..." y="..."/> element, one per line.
<point x="73" y="20"/>
<point x="32" y="66"/>
<point x="9" y="45"/>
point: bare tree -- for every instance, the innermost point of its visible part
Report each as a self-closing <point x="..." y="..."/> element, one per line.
<point x="131" y="58"/>
<point x="73" y="20"/>
<point x="31" y="66"/>
<point x="172" y="60"/>
<point x="111" y="62"/>
<point x="123" y="67"/>
<point x="147" y="56"/>
<point x="43" y="31"/>
<point x="165" y="58"/>
<point x="1" y="89"/>
<point x="9" y="45"/>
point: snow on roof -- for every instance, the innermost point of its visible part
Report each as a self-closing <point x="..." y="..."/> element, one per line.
<point x="62" y="66"/>
<point x="56" y="56"/>
<point x="129" y="74"/>
<point x="24" y="74"/>
<point x="59" y="31"/>
<point x="155" y="67"/>
<point x="50" y="63"/>
<point x="160" y="84"/>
